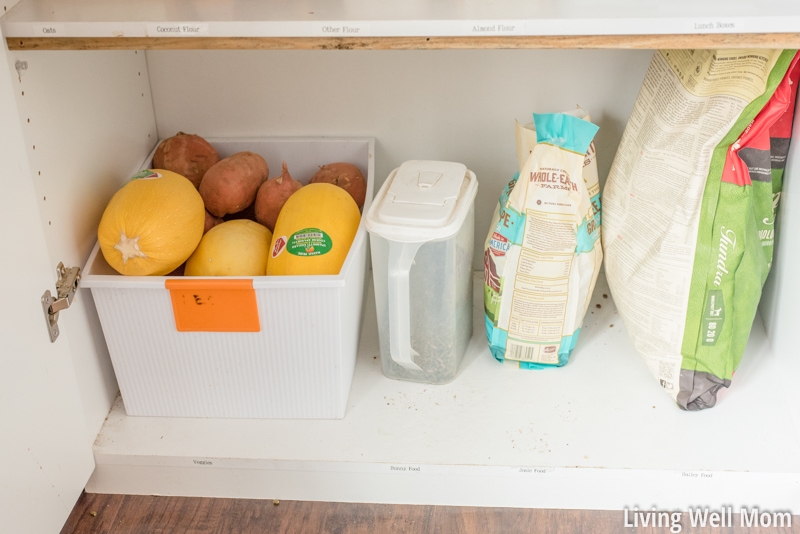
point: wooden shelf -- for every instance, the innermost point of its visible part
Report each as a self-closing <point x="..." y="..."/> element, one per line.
<point x="758" y="40"/>
<point x="386" y="25"/>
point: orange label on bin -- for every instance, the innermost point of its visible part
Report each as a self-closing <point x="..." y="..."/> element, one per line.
<point x="209" y="305"/>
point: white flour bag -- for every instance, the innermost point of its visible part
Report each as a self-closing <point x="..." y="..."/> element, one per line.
<point x="542" y="253"/>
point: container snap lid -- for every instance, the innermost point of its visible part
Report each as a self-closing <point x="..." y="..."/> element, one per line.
<point x="423" y="200"/>
<point x="423" y="193"/>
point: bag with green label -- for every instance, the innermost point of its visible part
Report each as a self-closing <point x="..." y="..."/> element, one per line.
<point x="689" y="210"/>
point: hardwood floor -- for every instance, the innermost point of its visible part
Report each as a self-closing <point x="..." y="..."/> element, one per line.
<point x="134" y="514"/>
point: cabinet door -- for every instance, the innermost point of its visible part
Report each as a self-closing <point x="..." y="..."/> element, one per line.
<point x="45" y="449"/>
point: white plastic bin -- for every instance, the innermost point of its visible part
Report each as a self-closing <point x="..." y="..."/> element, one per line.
<point x="301" y="362"/>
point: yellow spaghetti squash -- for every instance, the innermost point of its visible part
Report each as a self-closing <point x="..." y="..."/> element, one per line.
<point x="239" y="247"/>
<point x="314" y="231"/>
<point x="152" y="224"/>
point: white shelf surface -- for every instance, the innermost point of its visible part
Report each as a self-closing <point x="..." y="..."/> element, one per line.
<point x="387" y="18"/>
<point x="598" y="433"/>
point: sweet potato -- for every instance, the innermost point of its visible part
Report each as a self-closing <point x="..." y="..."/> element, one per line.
<point x="231" y="185"/>
<point x="187" y="154"/>
<point x="248" y="213"/>
<point x="272" y="196"/>
<point x="211" y="222"/>
<point x="345" y="175"/>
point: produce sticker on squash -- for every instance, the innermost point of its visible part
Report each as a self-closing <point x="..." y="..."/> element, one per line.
<point x="309" y="242"/>
<point x="280" y="244"/>
<point x="146" y="174"/>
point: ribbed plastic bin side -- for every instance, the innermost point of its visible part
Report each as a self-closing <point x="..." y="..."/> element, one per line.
<point x="299" y="365"/>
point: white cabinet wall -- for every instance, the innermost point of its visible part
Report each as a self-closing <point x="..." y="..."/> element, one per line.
<point x="45" y="450"/>
<point x="598" y="433"/>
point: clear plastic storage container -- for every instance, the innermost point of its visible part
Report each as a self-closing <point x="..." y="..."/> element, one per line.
<point x="421" y="227"/>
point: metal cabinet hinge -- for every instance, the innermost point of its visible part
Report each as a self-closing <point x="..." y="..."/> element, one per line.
<point x="66" y="286"/>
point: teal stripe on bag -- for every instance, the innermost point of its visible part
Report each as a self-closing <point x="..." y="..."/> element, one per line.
<point x="497" y="338"/>
<point x="565" y="131"/>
